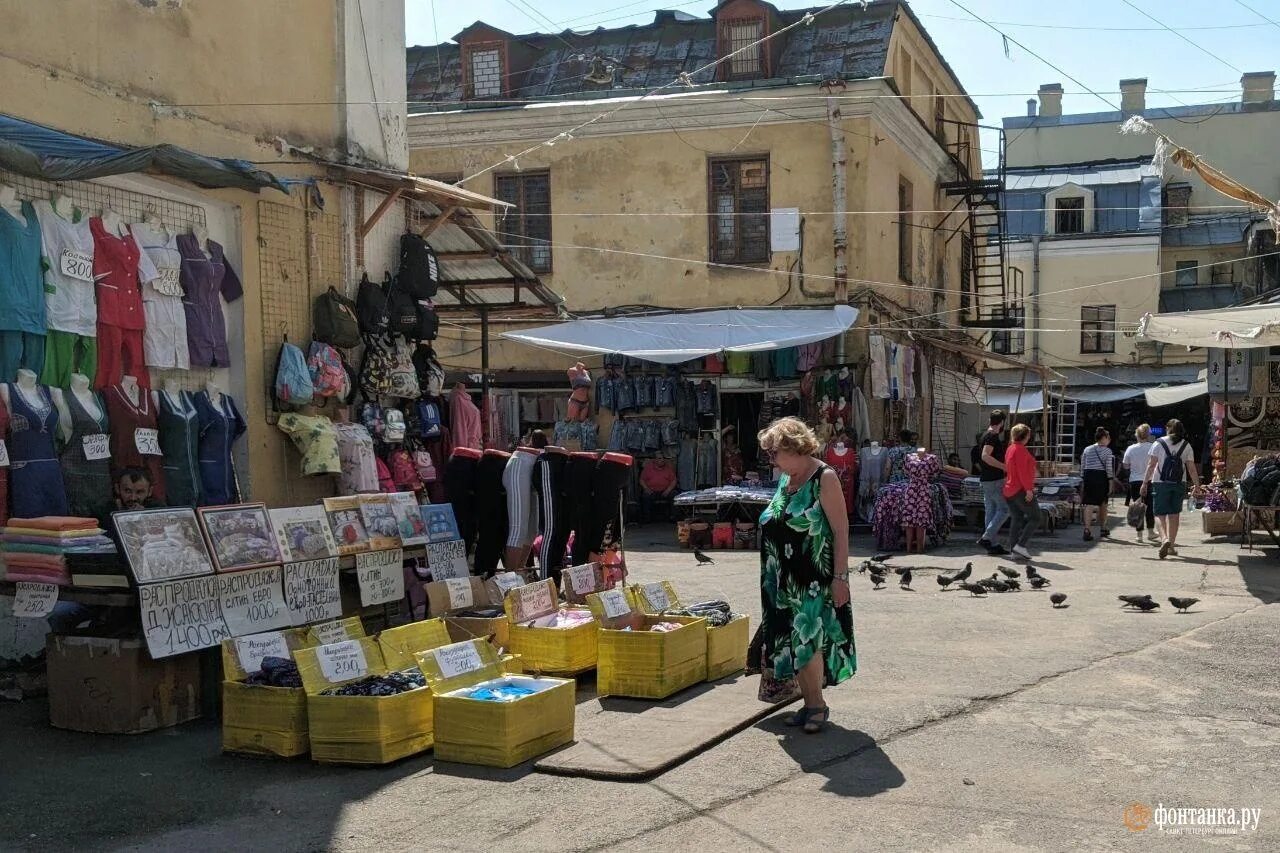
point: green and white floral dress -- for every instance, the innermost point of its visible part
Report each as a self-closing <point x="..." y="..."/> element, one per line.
<point x="796" y="570"/>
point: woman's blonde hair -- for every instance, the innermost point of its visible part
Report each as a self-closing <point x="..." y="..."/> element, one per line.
<point x="1143" y="432"/>
<point x="1020" y="432"/>
<point x="790" y="434"/>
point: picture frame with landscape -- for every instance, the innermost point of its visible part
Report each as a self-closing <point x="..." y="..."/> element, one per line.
<point x="240" y="536"/>
<point x="163" y="544"/>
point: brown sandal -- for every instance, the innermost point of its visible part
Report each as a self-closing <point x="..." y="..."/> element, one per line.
<point x="817" y="719"/>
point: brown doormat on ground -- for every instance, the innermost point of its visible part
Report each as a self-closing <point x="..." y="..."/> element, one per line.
<point x="633" y="740"/>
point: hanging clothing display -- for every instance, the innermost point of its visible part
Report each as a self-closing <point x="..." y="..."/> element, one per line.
<point x="879" y="368"/>
<point x="131" y="424"/>
<point x="554" y="525"/>
<point x="355" y="454"/>
<point x="579" y="473"/>
<point x="860" y="418"/>
<point x="607" y="483"/>
<point x="908" y="373"/>
<point x="808" y="355"/>
<point x="461" y="475"/>
<point x="164" y="338"/>
<point x="205" y="276"/>
<point x="71" y="313"/>
<point x="118" y="268"/>
<point x="871" y="474"/>
<point x="844" y="461"/>
<point x="87" y="481"/>
<point x="22" y="312"/>
<point x="464" y="420"/>
<point x="220" y="426"/>
<point x="180" y="443"/>
<point x="4" y="472"/>
<point x="315" y="439"/>
<point x="522" y="503"/>
<point x="35" y="479"/>
<point x="491" y="511"/>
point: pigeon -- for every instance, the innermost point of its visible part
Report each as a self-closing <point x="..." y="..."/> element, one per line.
<point x="1010" y="573"/>
<point x="905" y="583"/>
<point x="1183" y="604"/>
<point x="998" y="586"/>
<point x="1146" y="605"/>
<point x="881" y="558"/>
<point x="900" y="570"/>
<point x="703" y="559"/>
<point x="974" y="589"/>
<point x="1058" y="598"/>
<point x="1133" y="600"/>
<point x="877" y="579"/>
<point x="1032" y="573"/>
<point x="1013" y="585"/>
<point x="945" y="581"/>
<point x="990" y="582"/>
<point x="1039" y="582"/>
<point x="866" y="564"/>
<point x="963" y="574"/>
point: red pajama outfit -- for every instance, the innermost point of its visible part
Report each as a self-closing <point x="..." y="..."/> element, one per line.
<point x="117" y="265"/>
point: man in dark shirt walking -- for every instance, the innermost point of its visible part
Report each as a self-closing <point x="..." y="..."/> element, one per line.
<point x="991" y="462"/>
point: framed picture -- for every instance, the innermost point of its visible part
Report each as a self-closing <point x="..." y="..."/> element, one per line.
<point x="380" y="521"/>
<point x="413" y="530"/>
<point x="303" y="533"/>
<point x="441" y="523"/>
<point x="240" y="536"/>
<point x="347" y="524"/>
<point x="163" y="544"/>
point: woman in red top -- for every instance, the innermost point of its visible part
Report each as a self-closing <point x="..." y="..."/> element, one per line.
<point x="1020" y="491"/>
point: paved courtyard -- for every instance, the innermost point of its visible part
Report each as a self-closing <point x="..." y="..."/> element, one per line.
<point x="989" y="724"/>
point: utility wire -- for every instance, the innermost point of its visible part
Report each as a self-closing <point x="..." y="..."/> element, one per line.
<point x="1270" y="21"/>
<point x="1203" y="50"/>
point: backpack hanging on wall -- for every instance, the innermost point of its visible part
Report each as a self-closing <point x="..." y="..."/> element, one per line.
<point x="428" y="325"/>
<point x="402" y="309"/>
<point x="404" y="378"/>
<point x="328" y="373"/>
<point x="430" y="371"/>
<point x="371" y="307"/>
<point x="419" y="268"/>
<point x="377" y="367"/>
<point x="333" y="318"/>
<point x="292" y="388"/>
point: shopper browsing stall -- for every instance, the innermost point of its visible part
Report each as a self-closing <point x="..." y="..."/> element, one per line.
<point x="1097" y="467"/>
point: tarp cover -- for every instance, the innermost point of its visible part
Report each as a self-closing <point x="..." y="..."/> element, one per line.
<point x="1246" y="327"/>
<point x="1031" y="400"/>
<point x="36" y="151"/>
<point x="1101" y="393"/>
<point x="1171" y="394"/>
<point x="680" y="336"/>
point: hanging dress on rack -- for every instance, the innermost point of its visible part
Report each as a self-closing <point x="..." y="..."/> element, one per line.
<point x="179" y="441"/>
<point x="35" y="479"/>
<point x="870" y="476"/>
<point x="88" y="481"/>
<point x="126" y="418"/>
<point x="220" y="426"/>
<point x="844" y="461"/>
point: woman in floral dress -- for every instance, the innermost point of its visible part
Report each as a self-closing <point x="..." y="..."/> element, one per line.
<point x="807" y="624"/>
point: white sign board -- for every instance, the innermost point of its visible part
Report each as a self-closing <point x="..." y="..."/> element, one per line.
<point x="253" y="601"/>
<point x="340" y="662"/>
<point x="457" y="659"/>
<point x="182" y="616"/>
<point x="582" y="579"/>
<point x="460" y="594"/>
<point x="614" y="603"/>
<point x="311" y="590"/>
<point x="251" y="650"/>
<point x="34" y="600"/>
<point x="381" y="576"/>
<point x="656" y="595"/>
<point x="447" y="559"/>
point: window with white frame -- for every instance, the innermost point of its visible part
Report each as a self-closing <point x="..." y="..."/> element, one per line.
<point x="1069" y="210"/>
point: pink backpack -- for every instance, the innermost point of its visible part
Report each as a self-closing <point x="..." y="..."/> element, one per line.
<point x="426" y="466"/>
<point x="403" y="471"/>
<point x="328" y="377"/>
<point x="385" y="482"/>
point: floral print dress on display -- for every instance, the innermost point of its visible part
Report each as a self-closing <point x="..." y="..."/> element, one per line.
<point x="917" y="499"/>
<point x="800" y="618"/>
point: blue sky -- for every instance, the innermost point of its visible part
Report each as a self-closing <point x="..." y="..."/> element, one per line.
<point x="1116" y="42"/>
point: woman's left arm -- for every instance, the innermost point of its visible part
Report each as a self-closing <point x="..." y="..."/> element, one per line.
<point x="832" y="499"/>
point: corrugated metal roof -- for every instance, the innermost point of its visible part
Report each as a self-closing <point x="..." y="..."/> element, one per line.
<point x="1084" y="175"/>
<point x="849" y="41"/>
<point x="1210" y="231"/>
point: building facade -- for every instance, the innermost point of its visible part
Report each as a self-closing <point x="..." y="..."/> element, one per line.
<point x="727" y="189"/>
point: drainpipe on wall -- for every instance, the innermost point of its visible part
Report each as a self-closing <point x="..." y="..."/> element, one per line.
<point x="839" y="195"/>
<point x="1035" y="299"/>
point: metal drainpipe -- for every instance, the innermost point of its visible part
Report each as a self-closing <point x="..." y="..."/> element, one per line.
<point x="1035" y="298"/>
<point x="839" y="194"/>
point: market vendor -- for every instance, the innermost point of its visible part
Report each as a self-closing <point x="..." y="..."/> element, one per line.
<point x="131" y="490"/>
<point x="657" y="483"/>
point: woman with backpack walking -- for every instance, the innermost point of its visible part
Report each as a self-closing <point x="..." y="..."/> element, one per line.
<point x="1169" y="463"/>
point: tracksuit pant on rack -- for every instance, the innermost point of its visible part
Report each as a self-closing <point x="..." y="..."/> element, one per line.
<point x="460" y="490"/>
<point x="579" y="472"/>
<point x="491" y="512"/>
<point x="549" y="480"/>
<point x="607" y="483"/>
<point x="522" y="509"/>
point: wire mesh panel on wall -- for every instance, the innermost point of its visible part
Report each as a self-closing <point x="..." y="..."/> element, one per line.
<point x="950" y="388"/>
<point x="92" y="197"/>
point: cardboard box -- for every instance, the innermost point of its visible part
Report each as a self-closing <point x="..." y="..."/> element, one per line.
<point x="258" y="719"/>
<point x="726" y="644"/>
<point x="550" y="651"/>
<point x="643" y="664"/>
<point x="494" y="734"/>
<point x="369" y="729"/>
<point x="112" y="686"/>
<point x="445" y="599"/>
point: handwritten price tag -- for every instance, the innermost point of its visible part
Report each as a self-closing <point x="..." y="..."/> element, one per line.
<point x="330" y="632"/>
<point x="4" y="455"/>
<point x="147" y="441"/>
<point x="614" y="603"/>
<point x="582" y="579"/>
<point x="381" y="576"/>
<point x="656" y="595"/>
<point x="343" y="661"/>
<point x="458" y="659"/>
<point x="34" y="600"/>
<point x="96" y="446"/>
<point x="76" y="265"/>
<point x="168" y="283"/>
<point x="251" y="650"/>
<point x="459" y="593"/>
<point x="533" y="601"/>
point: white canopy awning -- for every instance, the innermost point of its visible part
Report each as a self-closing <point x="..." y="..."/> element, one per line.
<point x="1102" y="393"/>
<point x="679" y="336"/>
<point x="1171" y="394"/>
<point x="1032" y="400"/>
<point x="1245" y="327"/>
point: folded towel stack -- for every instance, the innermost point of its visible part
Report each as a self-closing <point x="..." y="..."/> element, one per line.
<point x="37" y="549"/>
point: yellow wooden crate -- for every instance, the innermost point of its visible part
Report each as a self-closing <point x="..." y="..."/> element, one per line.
<point x="349" y="628"/>
<point x="644" y="664"/>
<point x="258" y="719"/>
<point x="549" y="651"/>
<point x="496" y="734"/>
<point x="401" y="645"/>
<point x="363" y="729"/>
<point x="726" y="644"/>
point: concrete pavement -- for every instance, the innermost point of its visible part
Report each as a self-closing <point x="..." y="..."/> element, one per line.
<point x="973" y="724"/>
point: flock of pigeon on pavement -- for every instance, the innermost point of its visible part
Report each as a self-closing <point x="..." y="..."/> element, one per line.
<point x="877" y="568"/>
